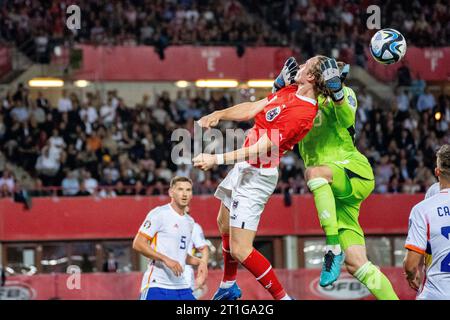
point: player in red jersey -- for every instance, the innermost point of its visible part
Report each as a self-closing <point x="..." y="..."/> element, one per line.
<point x="281" y="120"/>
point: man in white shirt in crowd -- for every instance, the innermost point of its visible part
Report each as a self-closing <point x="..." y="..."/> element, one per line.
<point x="64" y="103"/>
<point x="426" y="101"/>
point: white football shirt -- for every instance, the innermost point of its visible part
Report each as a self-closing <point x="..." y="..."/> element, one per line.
<point x="170" y="234"/>
<point x="429" y="234"/>
<point x="198" y="241"/>
<point x="433" y="190"/>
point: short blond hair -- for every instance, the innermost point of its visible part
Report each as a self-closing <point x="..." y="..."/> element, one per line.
<point x="177" y="179"/>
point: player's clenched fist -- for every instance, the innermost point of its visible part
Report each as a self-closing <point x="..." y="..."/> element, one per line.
<point x="205" y="161"/>
<point x="173" y="265"/>
<point x="211" y="120"/>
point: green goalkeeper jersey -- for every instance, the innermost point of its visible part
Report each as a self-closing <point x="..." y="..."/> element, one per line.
<point x="331" y="140"/>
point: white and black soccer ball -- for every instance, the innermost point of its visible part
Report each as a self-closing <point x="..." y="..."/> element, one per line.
<point x="388" y="46"/>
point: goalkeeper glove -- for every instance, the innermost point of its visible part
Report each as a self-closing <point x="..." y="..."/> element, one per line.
<point x="287" y="75"/>
<point x="332" y="77"/>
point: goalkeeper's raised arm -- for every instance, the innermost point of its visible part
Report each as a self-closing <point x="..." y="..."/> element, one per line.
<point x="345" y="109"/>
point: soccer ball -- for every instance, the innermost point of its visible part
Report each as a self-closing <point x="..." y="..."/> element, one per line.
<point x="388" y="46"/>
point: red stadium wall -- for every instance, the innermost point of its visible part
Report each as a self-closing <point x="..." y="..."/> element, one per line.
<point x="181" y="63"/>
<point x="301" y="284"/>
<point x="432" y="64"/>
<point x="119" y="218"/>
<point x="190" y="63"/>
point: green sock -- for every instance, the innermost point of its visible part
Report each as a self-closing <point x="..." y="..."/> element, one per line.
<point x="326" y="208"/>
<point x="377" y="283"/>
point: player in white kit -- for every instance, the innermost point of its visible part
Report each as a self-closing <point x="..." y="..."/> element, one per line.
<point x="164" y="239"/>
<point x="433" y="190"/>
<point x="198" y="244"/>
<point x="428" y="240"/>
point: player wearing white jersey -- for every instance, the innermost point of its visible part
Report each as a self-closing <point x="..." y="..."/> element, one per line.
<point x="433" y="190"/>
<point x="164" y="239"/>
<point x="428" y="240"/>
<point x="198" y="244"/>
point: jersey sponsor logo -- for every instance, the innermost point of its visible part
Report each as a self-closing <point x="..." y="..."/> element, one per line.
<point x="273" y="113"/>
<point x="351" y="101"/>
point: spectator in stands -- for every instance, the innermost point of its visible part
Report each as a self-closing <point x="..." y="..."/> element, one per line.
<point x="64" y="103"/>
<point x="403" y="75"/>
<point x="70" y="184"/>
<point x="19" y="111"/>
<point x="89" y="183"/>
<point x="426" y="101"/>
<point x="37" y="113"/>
<point x="402" y="103"/>
<point x="47" y="166"/>
<point x="111" y="264"/>
<point x="417" y="86"/>
<point x="107" y="113"/>
<point x="83" y="190"/>
<point x="7" y="183"/>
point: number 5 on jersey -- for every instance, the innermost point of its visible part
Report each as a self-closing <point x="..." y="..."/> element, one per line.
<point x="183" y="242"/>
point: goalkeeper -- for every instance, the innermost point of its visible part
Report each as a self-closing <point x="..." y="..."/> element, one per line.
<point x="340" y="178"/>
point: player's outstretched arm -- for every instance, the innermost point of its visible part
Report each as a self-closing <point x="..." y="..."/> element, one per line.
<point x="141" y="245"/>
<point x="262" y="147"/>
<point x="240" y="112"/>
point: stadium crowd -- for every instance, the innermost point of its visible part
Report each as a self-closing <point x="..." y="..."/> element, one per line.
<point x="312" y="26"/>
<point x="84" y="145"/>
<point x="323" y="26"/>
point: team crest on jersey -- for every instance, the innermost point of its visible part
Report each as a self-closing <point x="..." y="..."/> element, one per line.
<point x="273" y="113"/>
<point x="352" y="101"/>
<point x="147" y="224"/>
<point x="235" y="204"/>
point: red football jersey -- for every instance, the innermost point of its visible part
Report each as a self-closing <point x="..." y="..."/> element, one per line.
<point x="286" y="119"/>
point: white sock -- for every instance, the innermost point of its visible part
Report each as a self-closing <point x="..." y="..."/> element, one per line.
<point x="336" y="249"/>
<point x="227" y="284"/>
<point x="286" y="297"/>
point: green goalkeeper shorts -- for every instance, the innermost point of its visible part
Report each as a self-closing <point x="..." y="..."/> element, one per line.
<point x="353" y="182"/>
